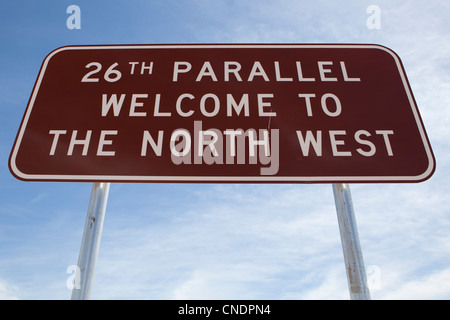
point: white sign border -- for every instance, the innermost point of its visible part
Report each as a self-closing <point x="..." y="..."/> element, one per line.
<point x="217" y="179"/>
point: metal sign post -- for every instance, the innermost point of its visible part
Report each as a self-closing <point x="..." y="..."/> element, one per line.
<point x="91" y="241"/>
<point x="354" y="263"/>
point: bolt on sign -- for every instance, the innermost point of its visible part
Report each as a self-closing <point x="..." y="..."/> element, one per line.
<point x="222" y="113"/>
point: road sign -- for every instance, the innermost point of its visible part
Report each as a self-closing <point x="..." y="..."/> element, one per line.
<point x="222" y="113"/>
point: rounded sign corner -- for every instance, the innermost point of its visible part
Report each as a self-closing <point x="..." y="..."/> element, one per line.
<point x="14" y="170"/>
<point x="54" y="52"/>
<point x="388" y="50"/>
<point x="431" y="169"/>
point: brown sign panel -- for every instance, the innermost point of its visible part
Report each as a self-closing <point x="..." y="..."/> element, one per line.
<point x="222" y="113"/>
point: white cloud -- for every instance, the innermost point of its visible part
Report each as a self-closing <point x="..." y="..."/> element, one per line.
<point x="8" y="291"/>
<point x="332" y="287"/>
<point x="433" y="286"/>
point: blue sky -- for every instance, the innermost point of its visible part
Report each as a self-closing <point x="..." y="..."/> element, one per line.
<point x="233" y="241"/>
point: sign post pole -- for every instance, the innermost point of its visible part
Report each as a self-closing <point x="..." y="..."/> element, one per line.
<point x="354" y="263"/>
<point x="91" y="241"/>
